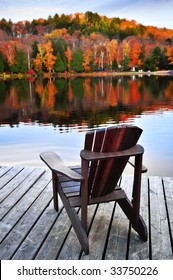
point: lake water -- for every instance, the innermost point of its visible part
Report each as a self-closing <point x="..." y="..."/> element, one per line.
<point x="37" y="116"/>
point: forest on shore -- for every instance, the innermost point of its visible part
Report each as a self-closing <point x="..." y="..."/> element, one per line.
<point x="83" y="43"/>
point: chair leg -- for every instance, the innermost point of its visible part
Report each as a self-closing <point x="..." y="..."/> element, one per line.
<point x="138" y="224"/>
<point x="141" y="229"/>
<point x="84" y="195"/>
<point x="76" y="222"/>
<point x="136" y="194"/>
<point x="55" y="190"/>
<point x="80" y="231"/>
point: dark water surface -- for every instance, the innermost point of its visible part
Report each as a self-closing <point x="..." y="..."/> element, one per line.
<point x="54" y="115"/>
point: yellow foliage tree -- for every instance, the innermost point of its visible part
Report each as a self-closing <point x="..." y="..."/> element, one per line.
<point x="45" y="56"/>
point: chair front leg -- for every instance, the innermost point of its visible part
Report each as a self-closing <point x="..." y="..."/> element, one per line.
<point x="137" y="189"/>
<point x="84" y="195"/>
<point x="55" y="190"/>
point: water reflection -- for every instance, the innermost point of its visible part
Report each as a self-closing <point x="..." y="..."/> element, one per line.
<point x="35" y="116"/>
<point x="82" y="101"/>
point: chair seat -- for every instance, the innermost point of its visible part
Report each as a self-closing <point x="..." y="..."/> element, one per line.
<point x="118" y="194"/>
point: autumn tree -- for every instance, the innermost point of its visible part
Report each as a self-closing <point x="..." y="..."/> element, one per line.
<point x="87" y="58"/>
<point x="134" y="54"/>
<point x="9" y="52"/>
<point x="68" y="54"/>
<point x="112" y="47"/>
<point x="49" y="58"/>
<point x="40" y="57"/>
<point x="169" y="54"/>
<point x="45" y="57"/>
<point x="56" y="33"/>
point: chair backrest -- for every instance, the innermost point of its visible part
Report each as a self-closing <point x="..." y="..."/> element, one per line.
<point x="104" y="174"/>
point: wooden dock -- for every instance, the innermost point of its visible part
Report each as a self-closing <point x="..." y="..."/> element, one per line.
<point x="31" y="229"/>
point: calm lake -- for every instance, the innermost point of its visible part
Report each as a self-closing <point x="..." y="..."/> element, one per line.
<point x="54" y="115"/>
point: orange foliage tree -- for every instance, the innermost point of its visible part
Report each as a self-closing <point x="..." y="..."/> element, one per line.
<point x="112" y="47"/>
<point x="68" y="53"/>
<point x="87" y="57"/>
<point x="134" y="55"/>
<point x="9" y="51"/>
<point x="49" y="59"/>
<point x="169" y="54"/>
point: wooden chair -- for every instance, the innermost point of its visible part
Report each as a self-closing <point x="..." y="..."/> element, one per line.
<point x="105" y="155"/>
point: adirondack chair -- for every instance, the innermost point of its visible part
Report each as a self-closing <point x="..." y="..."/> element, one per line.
<point x="106" y="153"/>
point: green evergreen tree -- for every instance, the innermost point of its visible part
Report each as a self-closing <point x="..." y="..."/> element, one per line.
<point x="153" y="62"/>
<point x="164" y="63"/>
<point x="114" y="65"/>
<point x="142" y="55"/>
<point x="148" y="65"/>
<point x="77" y="61"/>
<point x="34" y="49"/>
<point x="125" y="63"/>
<point x="2" y="66"/>
<point x="59" y="64"/>
<point x="21" y="65"/>
<point x="156" y="57"/>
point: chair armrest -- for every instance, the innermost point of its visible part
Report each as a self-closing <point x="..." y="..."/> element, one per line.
<point x="56" y="164"/>
<point x="134" y="151"/>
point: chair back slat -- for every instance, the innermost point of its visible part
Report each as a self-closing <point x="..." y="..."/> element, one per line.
<point x="104" y="174"/>
<point x="97" y="147"/>
<point x="89" y="138"/>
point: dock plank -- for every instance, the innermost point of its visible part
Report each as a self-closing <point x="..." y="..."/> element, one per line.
<point x="13" y="198"/>
<point x="9" y="175"/>
<point x="4" y="169"/>
<point x="139" y="250"/>
<point x="98" y="232"/>
<point x="160" y="238"/>
<point x="168" y="188"/>
<point x="118" y="239"/>
<point x="13" y="184"/>
<point x="32" y="243"/>
<point x="55" y="239"/>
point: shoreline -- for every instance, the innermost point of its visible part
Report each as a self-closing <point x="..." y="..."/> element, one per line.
<point x="11" y="76"/>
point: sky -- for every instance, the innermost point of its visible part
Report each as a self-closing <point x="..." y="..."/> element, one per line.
<point x="149" y="12"/>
